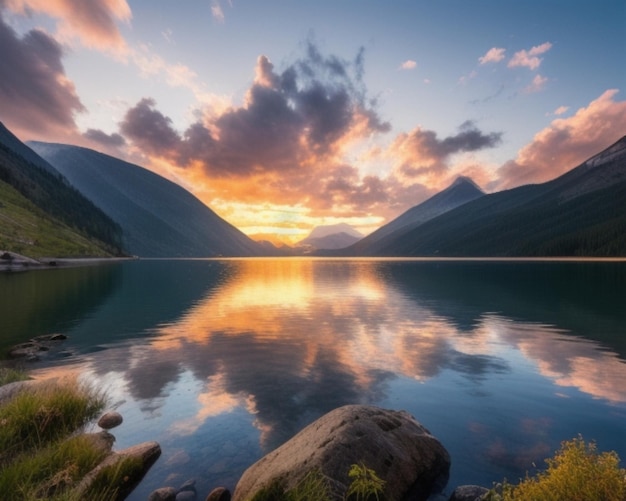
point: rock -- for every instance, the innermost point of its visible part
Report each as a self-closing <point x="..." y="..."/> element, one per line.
<point x="9" y="390"/>
<point x="102" y="440"/>
<point x="468" y="493"/>
<point x="163" y="494"/>
<point x="25" y="350"/>
<point x="187" y="491"/>
<point x="403" y="453"/>
<point x="110" y="420"/>
<point x="219" y="494"/>
<point x="146" y="454"/>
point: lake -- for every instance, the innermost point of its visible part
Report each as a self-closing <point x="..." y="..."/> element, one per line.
<point x="221" y="361"/>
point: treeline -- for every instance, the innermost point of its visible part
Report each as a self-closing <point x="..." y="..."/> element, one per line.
<point x="56" y="197"/>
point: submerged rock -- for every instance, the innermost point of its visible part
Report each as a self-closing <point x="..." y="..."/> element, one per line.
<point x="468" y="493"/>
<point x="163" y="494"/>
<point x="401" y="451"/>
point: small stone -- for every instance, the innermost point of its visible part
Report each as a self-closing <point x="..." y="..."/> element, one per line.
<point x="468" y="493"/>
<point x="110" y="420"/>
<point x="58" y="337"/>
<point x="219" y="494"/>
<point x="163" y="494"/>
<point x="189" y="485"/>
<point x="186" y="496"/>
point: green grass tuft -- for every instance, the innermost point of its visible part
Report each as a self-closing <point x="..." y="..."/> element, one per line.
<point x="39" y="416"/>
<point x="8" y="375"/>
<point x="41" y="457"/>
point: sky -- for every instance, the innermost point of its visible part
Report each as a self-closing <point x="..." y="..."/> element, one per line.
<point x="283" y="115"/>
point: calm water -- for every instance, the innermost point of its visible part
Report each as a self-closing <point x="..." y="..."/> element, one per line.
<point x="222" y="361"/>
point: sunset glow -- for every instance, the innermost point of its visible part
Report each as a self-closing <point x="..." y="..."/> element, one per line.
<point x="282" y="117"/>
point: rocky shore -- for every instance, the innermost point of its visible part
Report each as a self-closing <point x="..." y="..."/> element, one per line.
<point x="411" y="463"/>
<point x="12" y="261"/>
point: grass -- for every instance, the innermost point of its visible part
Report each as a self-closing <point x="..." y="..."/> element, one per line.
<point x="8" y="375"/>
<point x="47" y="413"/>
<point x="28" y="230"/>
<point x="313" y="487"/>
<point x="41" y="454"/>
<point x="365" y="486"/>
<point x="577" y="472"/>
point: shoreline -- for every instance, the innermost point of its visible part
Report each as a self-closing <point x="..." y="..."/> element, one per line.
<point x="14" y="262"/>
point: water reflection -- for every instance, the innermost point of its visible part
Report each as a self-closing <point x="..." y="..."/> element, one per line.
<point x="490" y="355"/>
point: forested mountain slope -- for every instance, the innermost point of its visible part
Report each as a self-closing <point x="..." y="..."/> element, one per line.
<point x="51" y="198"/>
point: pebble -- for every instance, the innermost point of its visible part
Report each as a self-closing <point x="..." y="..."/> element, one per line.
<point x="110" y="420"/>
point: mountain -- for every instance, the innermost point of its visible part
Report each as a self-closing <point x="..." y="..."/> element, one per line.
<point x="42" y="214"/>
<point x="334" y="236"/>
<point x="158" y="217"/>
<point x="461" y="191"/>
<point x="581" y="213"/>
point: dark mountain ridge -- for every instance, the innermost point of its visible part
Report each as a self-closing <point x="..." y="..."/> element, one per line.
<point x="158" y="217"/>
<point x="581" y="213"/>
<point x="461" y="191"/>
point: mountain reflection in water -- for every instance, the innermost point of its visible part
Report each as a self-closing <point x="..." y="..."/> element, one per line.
<point x="222" y="361"/>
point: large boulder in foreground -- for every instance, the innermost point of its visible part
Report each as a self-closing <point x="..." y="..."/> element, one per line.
<point x="400" y="450"/>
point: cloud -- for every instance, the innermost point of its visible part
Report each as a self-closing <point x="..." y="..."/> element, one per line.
<point x="561" y="110"/>
<point x="35" y="93"/>
<point x="409" y="64"/>
<point x="94" y="22"/>
<point x="567" y="142"/>
<point x="493" y="55"/>
<point x="537" y="85"/>
<point x="149" y="129"/>
<point x="217" y="11"/>
<point x="422" y="155"/>
<point x="109" y="140"/>
<point x="298" y="121"/>
<point x="529" y="59"/>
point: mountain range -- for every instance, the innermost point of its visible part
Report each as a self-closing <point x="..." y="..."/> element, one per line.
<point x="158" y="217"/>
<point x="581" y="213"/>
<point x="333" y="236"/>
<point x="107" y="206"/>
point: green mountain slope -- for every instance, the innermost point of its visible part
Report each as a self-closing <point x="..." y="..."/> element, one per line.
<point x="27" y="229"/>
<point x="54" y="196"/>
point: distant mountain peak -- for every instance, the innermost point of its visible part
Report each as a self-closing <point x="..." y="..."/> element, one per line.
<point x="461" y="180"/>
<point x="331" y="229"/>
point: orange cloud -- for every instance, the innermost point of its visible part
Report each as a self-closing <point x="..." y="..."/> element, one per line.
<point x="567" y="142"/>
<point x="93" y="22"/>
<point x="421" y="156"/>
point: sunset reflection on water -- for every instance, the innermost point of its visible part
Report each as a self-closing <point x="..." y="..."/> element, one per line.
<point x="284" y="341"/>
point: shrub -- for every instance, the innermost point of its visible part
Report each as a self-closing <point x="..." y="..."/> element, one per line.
<point x="365" y="483"/>
<point x="577" y="472"/>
